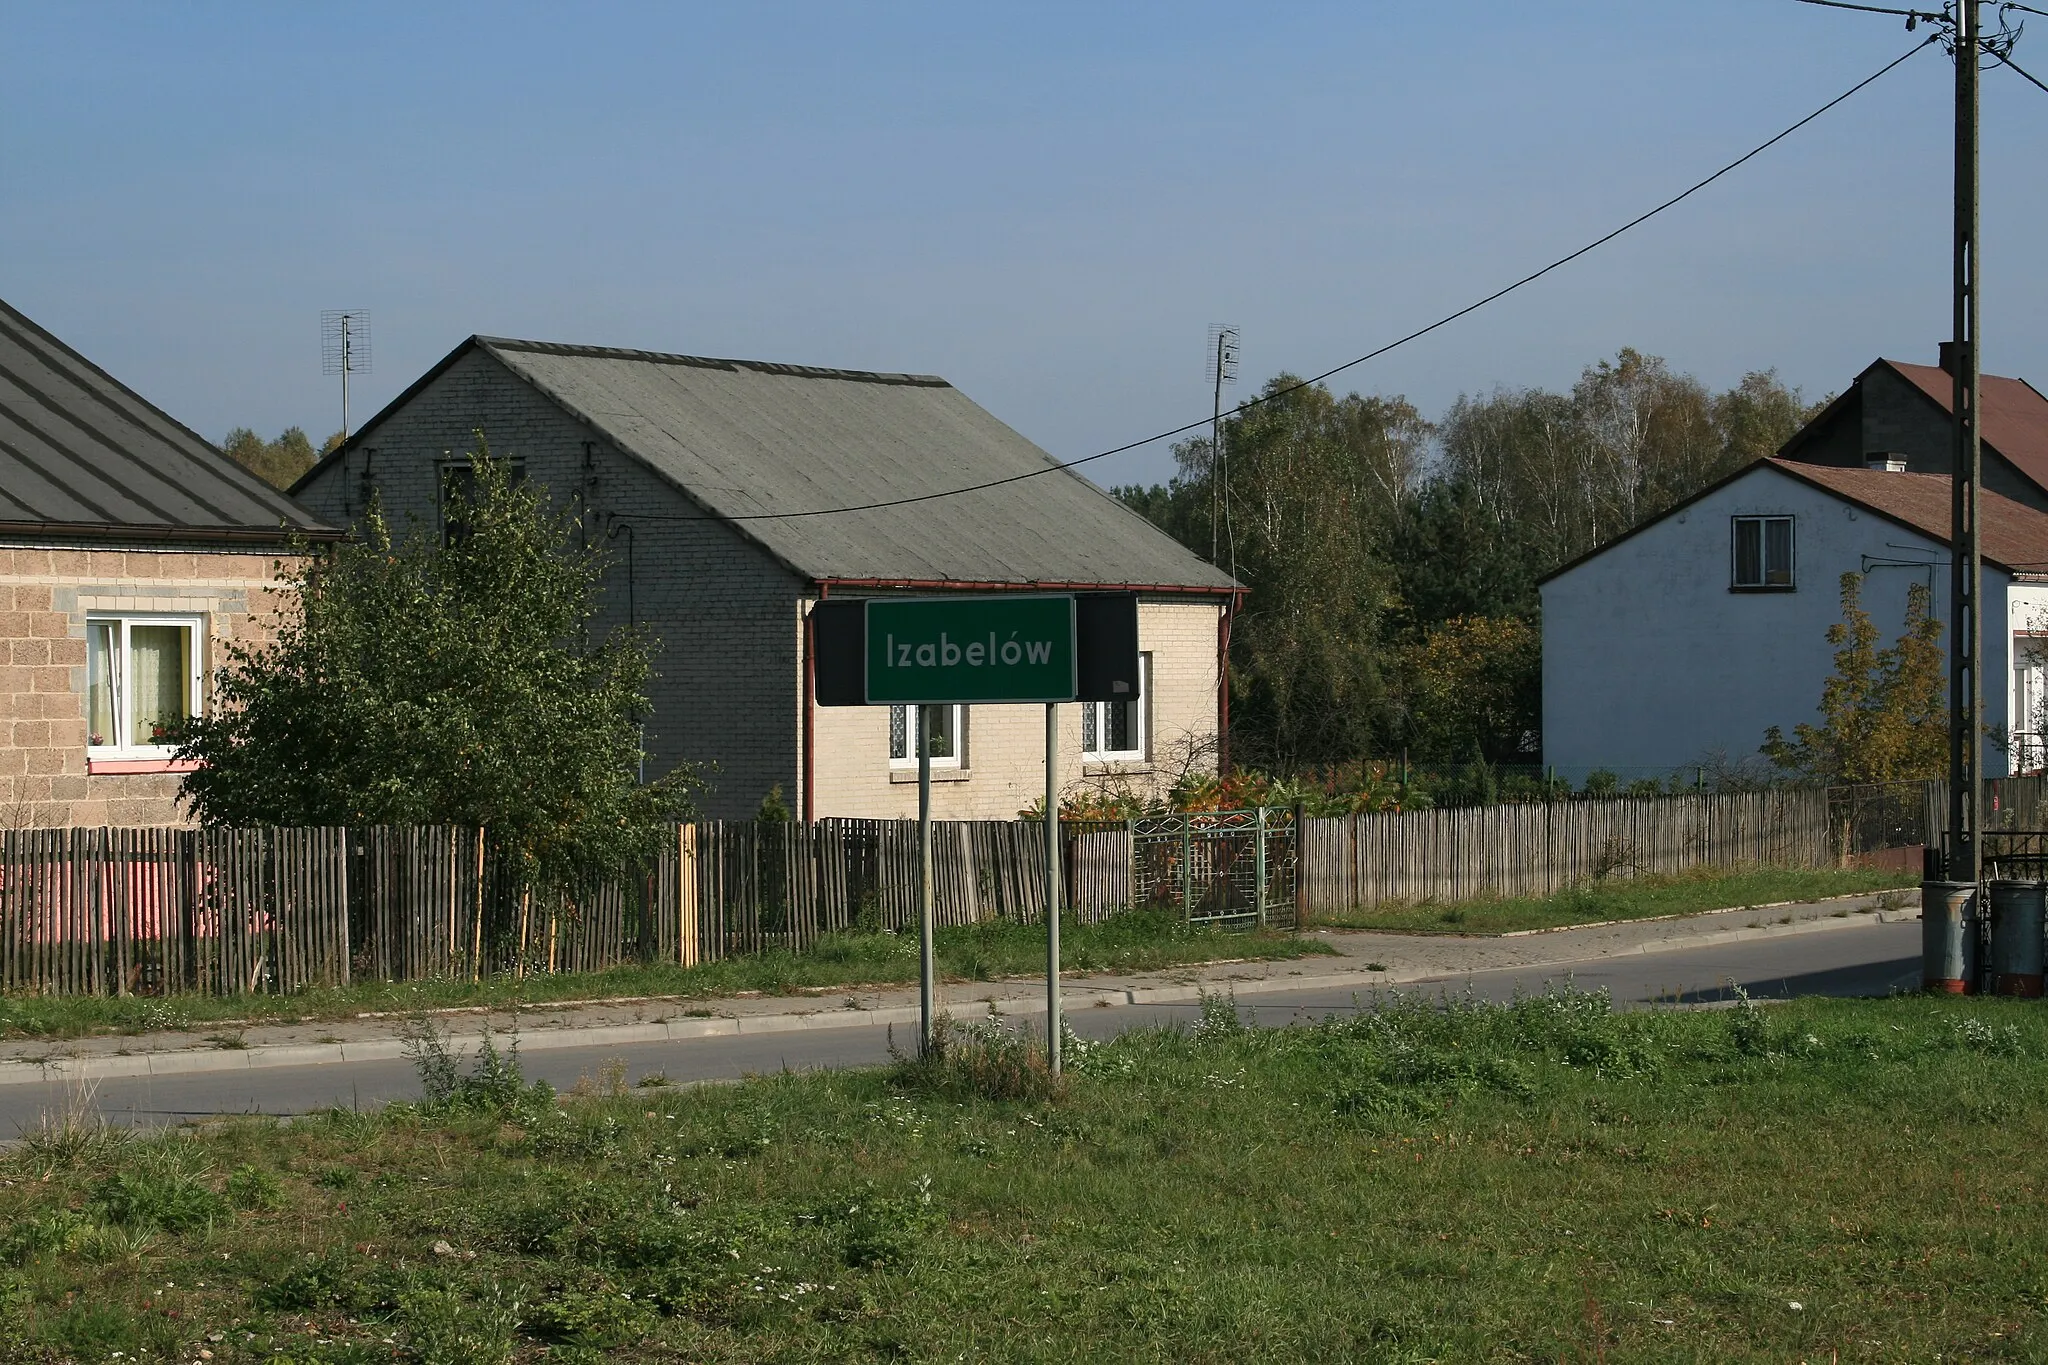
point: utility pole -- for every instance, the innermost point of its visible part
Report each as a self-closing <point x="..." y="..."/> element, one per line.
<point x="1966" y="651"/>
<point x="1223" y="370"/>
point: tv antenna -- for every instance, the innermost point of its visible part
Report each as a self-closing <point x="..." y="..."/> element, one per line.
<point x="344" y="349"/>
<point x="1221" y="369"/>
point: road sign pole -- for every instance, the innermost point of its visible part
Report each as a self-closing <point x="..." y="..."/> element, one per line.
<point x="1052" y="886"/>
<point x="925" y="974"/>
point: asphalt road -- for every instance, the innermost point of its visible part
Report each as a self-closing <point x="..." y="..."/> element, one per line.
<point x="1864" y="959"/>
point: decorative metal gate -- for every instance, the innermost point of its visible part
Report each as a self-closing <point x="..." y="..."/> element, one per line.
<point x="1232" y="867"/>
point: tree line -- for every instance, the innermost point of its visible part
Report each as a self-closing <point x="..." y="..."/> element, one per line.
<point x="1393" y="560"/>
<point x="278" y="463"/>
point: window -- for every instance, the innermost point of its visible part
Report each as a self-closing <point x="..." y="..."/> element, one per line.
<point x="949" y="730"/>
<point x="141" y="683"/>
<point x="458" y="490"/>
<point x="1763" y="553"/>
<point x="1114" y="731"/>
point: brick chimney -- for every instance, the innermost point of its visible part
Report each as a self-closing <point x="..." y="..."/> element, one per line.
<point x="1948" y="357"/>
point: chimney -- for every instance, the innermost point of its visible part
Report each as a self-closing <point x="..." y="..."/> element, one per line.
<point x="1948" y="357"/>
<point x="1885" y="462"/>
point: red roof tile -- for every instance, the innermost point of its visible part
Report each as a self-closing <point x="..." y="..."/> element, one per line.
<point x="2014" y="536"/>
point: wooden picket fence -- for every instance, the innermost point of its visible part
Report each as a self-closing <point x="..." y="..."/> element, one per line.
<point x="155" y="911"/>
<point x="1360" y="861"/>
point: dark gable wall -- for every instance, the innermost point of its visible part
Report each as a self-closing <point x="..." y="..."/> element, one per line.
<point x="727" y="686"/>
<point x="1887" y="412"/>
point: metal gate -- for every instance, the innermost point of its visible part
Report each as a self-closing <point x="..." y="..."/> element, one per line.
<point x="1234" y="867"/>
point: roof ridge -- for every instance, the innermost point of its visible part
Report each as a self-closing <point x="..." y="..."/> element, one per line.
<point x="929" y="381"/>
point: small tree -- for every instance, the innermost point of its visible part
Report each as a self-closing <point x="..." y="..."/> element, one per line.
<point x="420" y="683"/>
<point x="1884" y="712"/>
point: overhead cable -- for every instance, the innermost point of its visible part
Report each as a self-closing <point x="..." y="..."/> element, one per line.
<point x="1279" y="393"/>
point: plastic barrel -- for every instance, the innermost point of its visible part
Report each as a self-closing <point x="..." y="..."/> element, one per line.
<point x="1948" y="936"/>
<point x="2017" y="911"/>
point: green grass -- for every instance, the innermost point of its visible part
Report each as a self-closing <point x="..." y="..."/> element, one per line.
<point x="1618" y="899"/>
<point x="1839" y="1181"/>
<point x="1135" y="941"/>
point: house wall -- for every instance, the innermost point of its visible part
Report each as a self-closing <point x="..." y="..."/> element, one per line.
<point x="45" y="595"/>
<point x="1650" y="662"/>
<point x="726" y="692"/>
<point x="1889" y="413"/>
<point x="1004" y="766"/>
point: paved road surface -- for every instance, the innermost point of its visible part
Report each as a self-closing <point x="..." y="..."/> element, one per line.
<point x="1863" y="959"/>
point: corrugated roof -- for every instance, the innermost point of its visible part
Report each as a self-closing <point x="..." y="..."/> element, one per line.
<point x="2013" y="535"/>
<point x="746" y="438"/>
<point x="2012" y="414"/>
<point x="83" y="454"/>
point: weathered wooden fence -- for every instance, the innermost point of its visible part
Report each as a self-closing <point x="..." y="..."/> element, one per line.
<point x="126" y="911"/>
<point x="1532" y="850"/>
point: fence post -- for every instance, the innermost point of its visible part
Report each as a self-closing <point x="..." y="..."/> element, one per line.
<point x="1259" y="866"/>
<point x="1187" y="866"/>
<point x="1300" y="867"/>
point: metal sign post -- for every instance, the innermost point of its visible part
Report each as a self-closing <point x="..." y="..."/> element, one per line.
<point x="1052" y="887"/>
<point x="930" y="652"/>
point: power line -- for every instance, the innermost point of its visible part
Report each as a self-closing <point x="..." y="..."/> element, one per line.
<point x="1374" y="354"/>
<point x="2016" y="67"/>
<point x="1879" y="9"/>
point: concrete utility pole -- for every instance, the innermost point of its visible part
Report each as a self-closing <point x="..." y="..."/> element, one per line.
<point x="1966" y="650"/>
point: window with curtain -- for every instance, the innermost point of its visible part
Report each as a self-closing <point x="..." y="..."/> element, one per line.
<point x="949" y="725"/>
<point x="141" y="682"/>
<point x="1114" y="731"/>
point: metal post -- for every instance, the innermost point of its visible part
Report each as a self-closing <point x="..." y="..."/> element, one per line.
<point x="1259" y="869"/>
<point x="1965" y="642"/>
<point x="926" y="916"/>
<point x="1052" y="886"/>
<point x="1187" y="866"/>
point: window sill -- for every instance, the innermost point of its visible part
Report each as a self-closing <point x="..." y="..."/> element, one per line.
<point x="938" y="774"/>
<point x="115" y="767"/>
<point x="1775" y="587"/>
<point x="1110" y="767"/>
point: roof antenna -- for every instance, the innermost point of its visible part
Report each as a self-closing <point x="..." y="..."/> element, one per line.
<point x="344" y="349"/>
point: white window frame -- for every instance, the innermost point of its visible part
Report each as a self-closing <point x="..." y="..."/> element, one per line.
<point x="1096" y="717"/>
<point x="1763" y="582"/>
<point x="121" y="744"/>
<point x="913" y="733"/>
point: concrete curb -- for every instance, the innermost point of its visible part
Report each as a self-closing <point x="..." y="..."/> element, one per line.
<point x="1083" y="996"/>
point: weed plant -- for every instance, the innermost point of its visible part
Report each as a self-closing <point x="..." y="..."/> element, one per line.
<point x="1424" y="1179"/>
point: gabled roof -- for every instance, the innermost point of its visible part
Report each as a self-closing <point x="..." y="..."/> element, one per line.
<point x="2012" y="535"/>
<point x="83" y="455"/>
<point x="2012" y="414"/>
<point x="747" y="440"/>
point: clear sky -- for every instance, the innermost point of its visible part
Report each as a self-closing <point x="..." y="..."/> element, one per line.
<point x="1046" y="203"/>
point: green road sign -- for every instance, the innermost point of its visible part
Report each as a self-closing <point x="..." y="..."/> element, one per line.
<point x="1009" y="648"/>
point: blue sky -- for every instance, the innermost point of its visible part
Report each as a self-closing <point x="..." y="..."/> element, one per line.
<point x="1048" y="204"/>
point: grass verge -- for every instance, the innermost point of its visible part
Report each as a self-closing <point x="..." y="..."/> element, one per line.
<point x="1829" y="1180"/>
<point x="1643" y="897"/>
<point x="1136" y="941"/>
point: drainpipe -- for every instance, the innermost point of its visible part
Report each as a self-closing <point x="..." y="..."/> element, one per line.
<point x="1230" y="605"/>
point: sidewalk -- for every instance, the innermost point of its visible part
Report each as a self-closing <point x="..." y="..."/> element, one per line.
<point x="1364" y="961"/>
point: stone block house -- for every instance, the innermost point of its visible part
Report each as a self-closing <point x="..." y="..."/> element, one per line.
<point x="732" y="495"/>
<point x="131" y="552"/>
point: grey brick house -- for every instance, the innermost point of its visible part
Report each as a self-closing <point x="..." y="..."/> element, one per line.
<point x="686" y="469"/>
<point x="1897" y="416"/>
